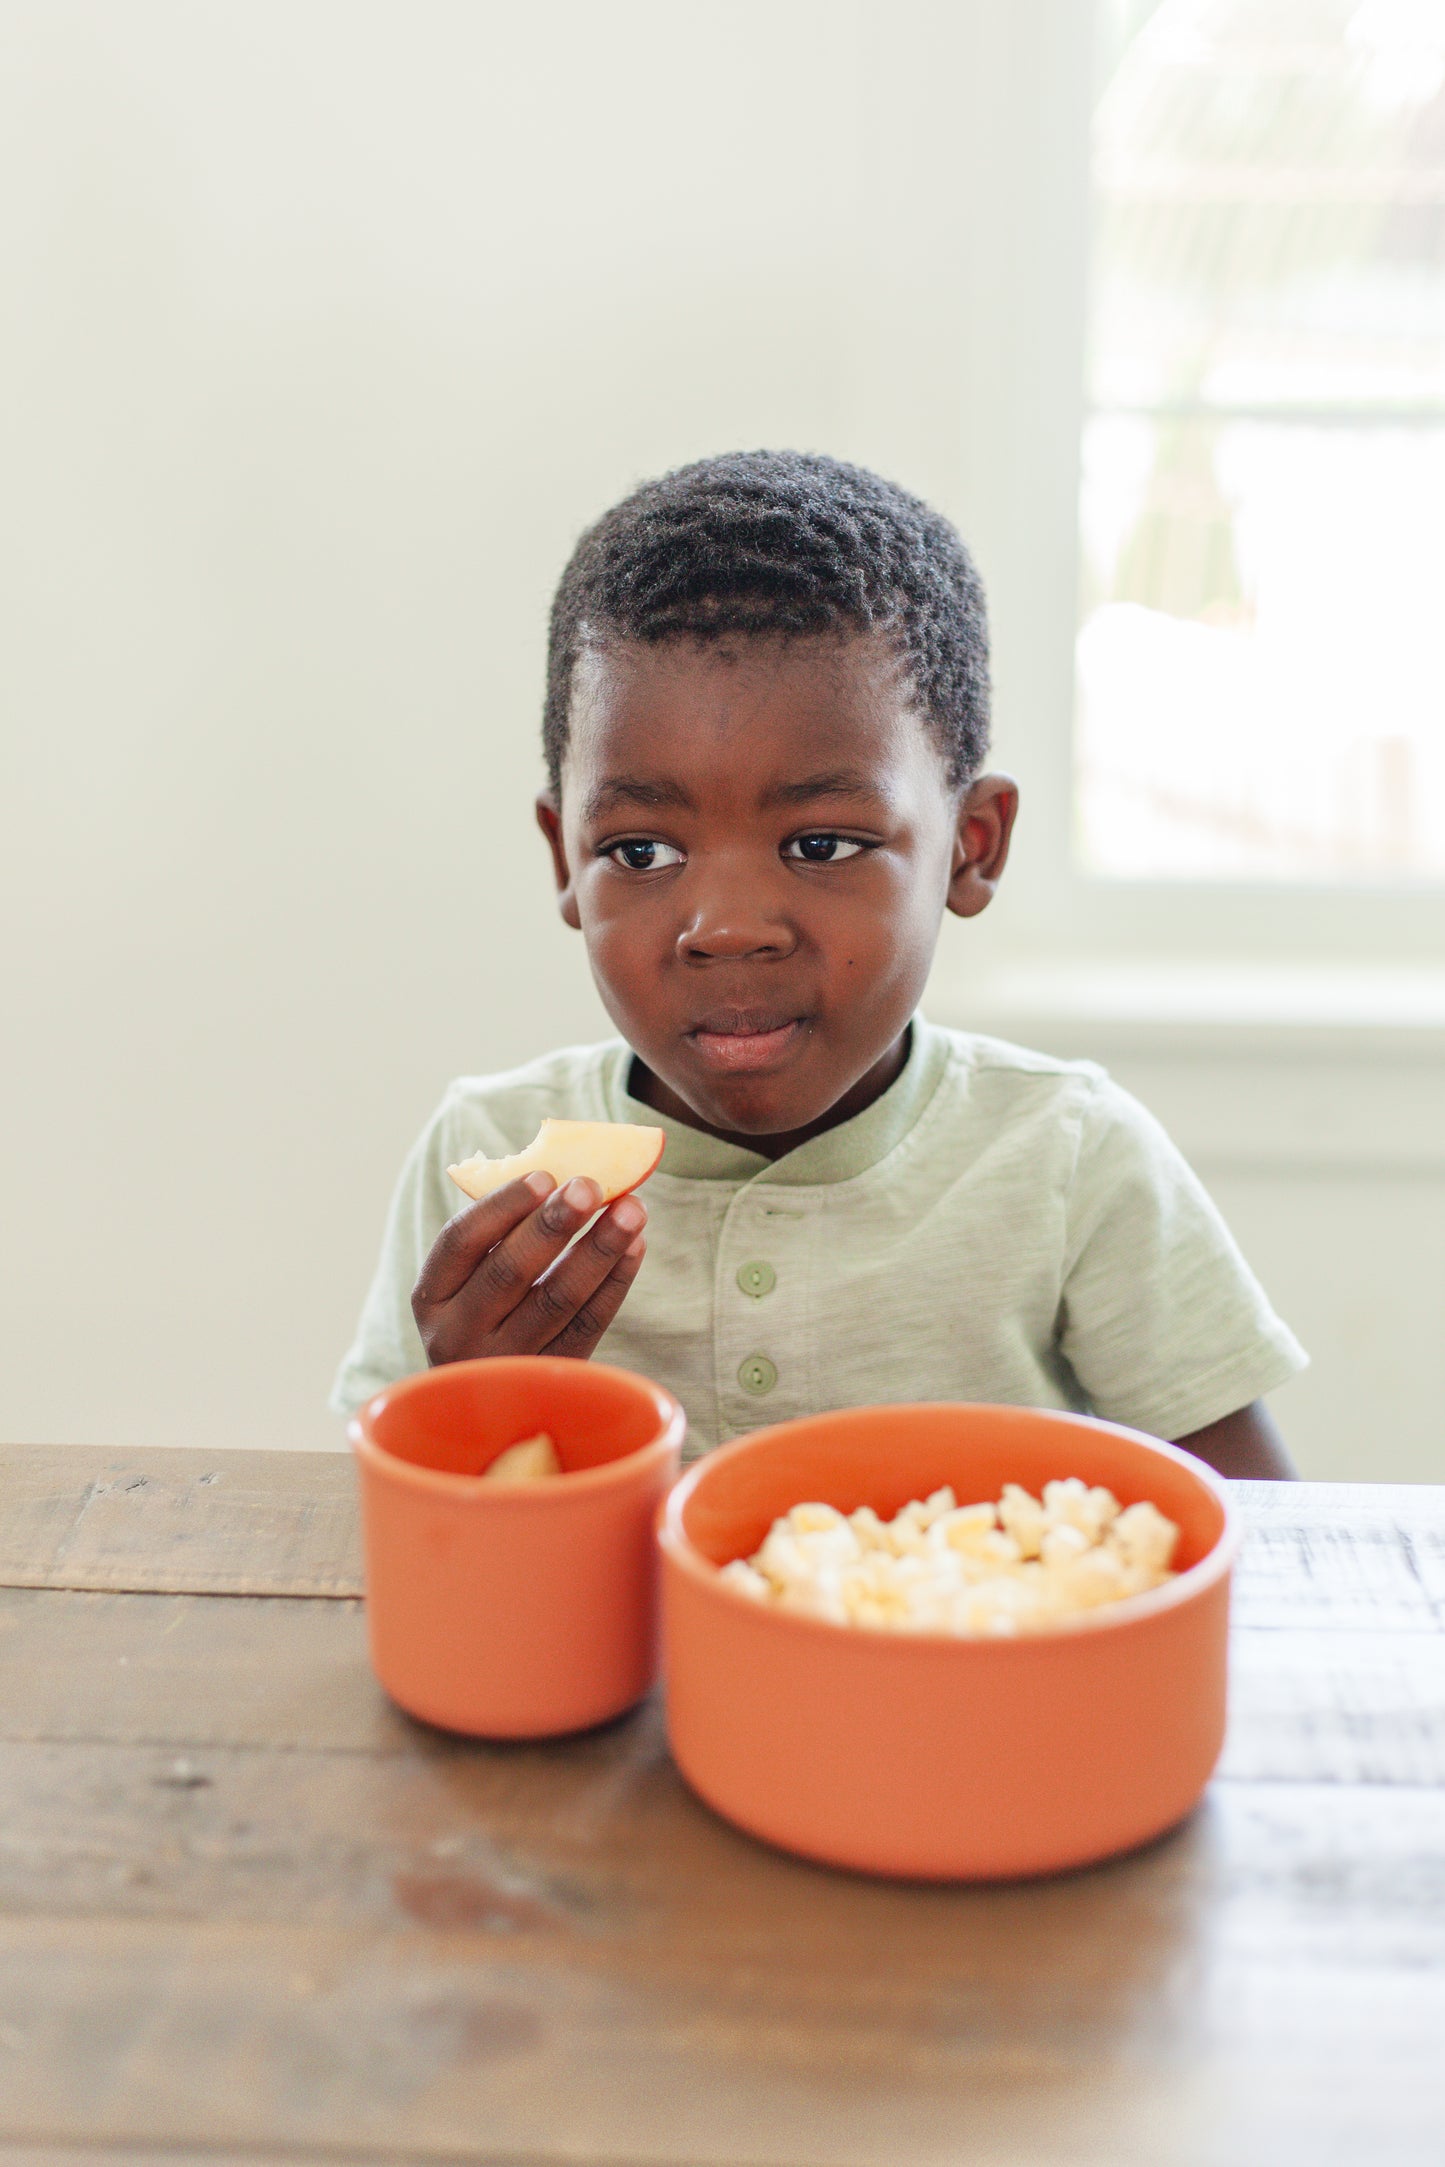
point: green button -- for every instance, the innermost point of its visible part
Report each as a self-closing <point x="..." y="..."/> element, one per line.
<point x="757" y="1279"/>
<point x="757" y="1375"/>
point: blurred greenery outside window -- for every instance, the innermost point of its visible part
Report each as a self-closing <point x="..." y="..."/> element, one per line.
<point x="1261" y="654"/>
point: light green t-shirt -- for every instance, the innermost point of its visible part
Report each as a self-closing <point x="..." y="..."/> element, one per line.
<point x="997" y="1226"/>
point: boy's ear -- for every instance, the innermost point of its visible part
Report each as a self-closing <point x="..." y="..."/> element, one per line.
<point x="980" y="850"/>
<point x="549" y="820"/>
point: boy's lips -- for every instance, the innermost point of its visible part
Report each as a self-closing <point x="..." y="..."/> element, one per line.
<point x="738" y="1039"/>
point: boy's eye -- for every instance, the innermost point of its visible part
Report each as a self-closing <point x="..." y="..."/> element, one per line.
<point x="643" y="855"/>
<point x="821" y="849"/>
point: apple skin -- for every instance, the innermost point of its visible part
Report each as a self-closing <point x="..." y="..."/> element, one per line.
<point x="617" y="1155"/>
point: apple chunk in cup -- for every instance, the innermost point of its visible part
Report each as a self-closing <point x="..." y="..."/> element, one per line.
<point x="532" y="1459"/>
<point x="509" y="1276"/>
<point x="523" y="1609"/>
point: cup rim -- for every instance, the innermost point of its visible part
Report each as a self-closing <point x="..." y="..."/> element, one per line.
<point x="678" y="1548"/>
<point x="505" y="1497"/>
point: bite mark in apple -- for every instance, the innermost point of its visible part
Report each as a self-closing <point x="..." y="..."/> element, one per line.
<point x="617" y="1155"/>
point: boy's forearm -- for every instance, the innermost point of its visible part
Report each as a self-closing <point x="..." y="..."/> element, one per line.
<point x="1245" y="1445"/>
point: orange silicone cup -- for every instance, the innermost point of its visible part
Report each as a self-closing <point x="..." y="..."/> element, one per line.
<point x="934" y="1756"/>
<point x="526" y="1610"/>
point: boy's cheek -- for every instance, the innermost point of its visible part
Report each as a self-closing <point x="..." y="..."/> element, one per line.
<point x="605" y="918"/>
<point x="624" y="961"/>
<point x="595" y="907"/>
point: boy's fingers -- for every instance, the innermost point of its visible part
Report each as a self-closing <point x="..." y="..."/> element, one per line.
<point x="484" y="1309"/>
<point x="592" y="1319"/>
<point x="554" y="1301"/>
<point x="465" y="1240"/>
<point x="507" y="1272"/>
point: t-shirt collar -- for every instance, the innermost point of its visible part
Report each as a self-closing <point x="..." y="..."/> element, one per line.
<point x="837" y="1155"/>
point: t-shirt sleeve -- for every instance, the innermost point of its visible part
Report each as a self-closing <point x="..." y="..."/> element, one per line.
<point x="1161" y="1320"/>
<point x="387" y="1343"/>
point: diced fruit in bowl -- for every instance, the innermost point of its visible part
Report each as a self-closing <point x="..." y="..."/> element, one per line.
<point x="1023" y="1565"/>
<point x="937" y="1745"/>
<point x="617" y="1155"/>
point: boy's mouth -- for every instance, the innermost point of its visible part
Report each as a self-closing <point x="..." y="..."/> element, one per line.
<point x="735" y="1039"/>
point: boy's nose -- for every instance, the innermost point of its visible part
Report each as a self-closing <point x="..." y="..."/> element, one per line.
<point x="732" y="938"/>
<point x="728" y="925"/>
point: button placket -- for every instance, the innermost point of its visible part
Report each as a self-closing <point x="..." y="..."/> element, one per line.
<point x="760" y="1347"/>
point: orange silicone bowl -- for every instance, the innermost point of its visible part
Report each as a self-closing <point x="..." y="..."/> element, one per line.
<point x="519" y="1611"/>
<point x="933" y="1756"/>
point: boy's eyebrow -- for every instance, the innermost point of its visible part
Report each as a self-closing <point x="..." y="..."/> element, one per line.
<point x="839" y="783"/>
<point x="633" y="790"/>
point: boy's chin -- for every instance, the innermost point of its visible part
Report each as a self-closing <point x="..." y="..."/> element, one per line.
<point x="761" y="1106"/>
<point x="757" y="1113"/>
<point x="767" y="1088"/>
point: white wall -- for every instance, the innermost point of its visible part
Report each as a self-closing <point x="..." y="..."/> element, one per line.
<point x="325" y="327"/>
<point x="329" y="326"/>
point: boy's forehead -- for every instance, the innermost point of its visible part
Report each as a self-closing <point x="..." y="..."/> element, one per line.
<point x="770" y="703"/>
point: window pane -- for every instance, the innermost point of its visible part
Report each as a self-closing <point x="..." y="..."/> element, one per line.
<point x="1261" y="670"/>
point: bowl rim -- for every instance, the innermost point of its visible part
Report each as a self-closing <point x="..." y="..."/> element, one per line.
<point x="441" y="1482"/>
<point x="678" y="1550"/>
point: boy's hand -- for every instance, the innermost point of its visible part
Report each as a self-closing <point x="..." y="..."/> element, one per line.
<point x="493" y="1284"/>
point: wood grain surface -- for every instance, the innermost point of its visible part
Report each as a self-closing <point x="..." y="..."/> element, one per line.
<point x="250" y="1913"/>
<point x="173" y="1521"/>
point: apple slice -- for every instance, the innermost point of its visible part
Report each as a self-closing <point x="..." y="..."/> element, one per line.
<point x="529" y="1461"/>
<point x="617" y="1155"/>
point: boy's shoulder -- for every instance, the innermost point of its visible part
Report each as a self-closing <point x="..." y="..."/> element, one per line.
<point x="988" y="1069"/>
<point x="978" y="1053"/>
<point x="993" y="1084"/>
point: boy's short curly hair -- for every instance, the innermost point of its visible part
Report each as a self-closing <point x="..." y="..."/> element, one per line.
<point x="780" y="542"/>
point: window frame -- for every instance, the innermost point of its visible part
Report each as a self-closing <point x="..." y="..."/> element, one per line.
<point x="1021" y="471"/>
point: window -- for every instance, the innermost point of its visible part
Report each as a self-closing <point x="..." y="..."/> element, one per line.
<point x="1261" y="655"/>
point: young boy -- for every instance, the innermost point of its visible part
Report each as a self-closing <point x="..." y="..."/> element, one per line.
<point x="766" y="719"/>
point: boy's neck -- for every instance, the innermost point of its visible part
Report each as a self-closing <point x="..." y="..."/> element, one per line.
<point x="650" y="1090"/>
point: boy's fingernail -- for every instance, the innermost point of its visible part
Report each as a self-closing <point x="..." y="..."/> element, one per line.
<point x="539" y="1184"/>
<point x="582" y="1194"/>
<point x="629" y="1216"/>
<point x="635" y="1249"/>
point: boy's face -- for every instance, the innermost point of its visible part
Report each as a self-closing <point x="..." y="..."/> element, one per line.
<point x="758" y="839"/>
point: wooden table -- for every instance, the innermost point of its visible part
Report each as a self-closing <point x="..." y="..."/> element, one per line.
<point x="252" y="1914"/>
